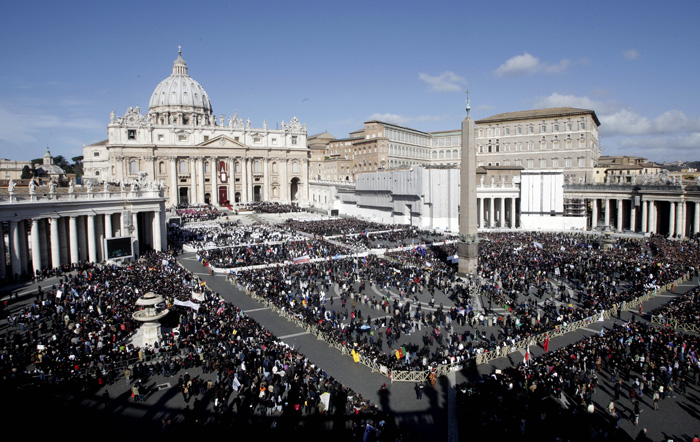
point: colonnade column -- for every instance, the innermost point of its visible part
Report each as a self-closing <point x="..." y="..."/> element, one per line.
<point x="55" y="244"/>
<point x="157" y="243"/>
<point x="672" y="219"/>
<point x="135" y="224"/>
<point x="696" y="221"/>
<point x="3" y="264"/>
<point x="92" y="252"/>
<point x="174" y="192"/>
<point x="200" y="181"/>
<point x="513" y="215"/>
<point x="680" y="219"/>
<point x="633" y="216"/>
<point x="645" y="215"/>
<point x="108" y="225"/>
<point x="594" y="213"/>
<point x="36" y="246"/>
<point x="231" y="180"/>
<point x="492" y="212"/>
<point x="620" y="210"/>
<point x="15" y="254"/>
<point x="249" y="173"/>
<point x="73" y="233"/>
<point x="266" y="180"/>
<point x="244" y="180"/>
<point x="214" y="166"/>
<point x="607" y="212"/>
<point x="483" y="213"/>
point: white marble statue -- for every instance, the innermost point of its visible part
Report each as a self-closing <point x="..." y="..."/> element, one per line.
<point x="11" y="186"/>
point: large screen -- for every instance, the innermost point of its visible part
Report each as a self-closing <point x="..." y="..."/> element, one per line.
<point x="119" y="247"/>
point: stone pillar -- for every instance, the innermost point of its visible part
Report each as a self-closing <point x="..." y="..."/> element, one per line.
<point x="645" y="216"/>
<point x="92" y="250"/>
<point x="55" y="244"/>
<point x="620" y="213"/>
<point x="15" y="249"/>
<point x="232" y="180"/>
<point x="266" y="179"/>
<point x="244" y="180"/>
<point x="36" y="246"/>
<point x="135" y="234"/>
<point x="633" y="216"/>
<point x="174" y="192"/>
<point x="3" y="263"/>
<point x="607" y="212"/>
<point x="696" y="221"/>
<point x="594" y="213"/>
<point x="73" y="234"/>
<point x="672" y="219"/>
<point x="157" y="244"/>
<point x="200" y="180"/>
<point x="680" y="220"/>
<point x="492" y="212"/>
<point x="23" y="252"/>
<point x="249" y="174"/>
<point x="214" y="187"/>
<point x="108" y="225"/>
<point x="513" y="214"/>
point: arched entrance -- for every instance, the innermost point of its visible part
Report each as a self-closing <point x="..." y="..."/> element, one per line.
<point x="184" y="195"/>
<point x="294" y="189"/>
<point x="237" y="197"/>
<point x="207" y="198"/>
<point x="257" y="193"/>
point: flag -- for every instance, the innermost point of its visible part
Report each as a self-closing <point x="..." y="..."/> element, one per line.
<point x="203" y="283"/>
<point x="545" y="344"/>
<point x="301" y="259"/>
<point x="537" y="244"/>
<point x="527" y="355"/>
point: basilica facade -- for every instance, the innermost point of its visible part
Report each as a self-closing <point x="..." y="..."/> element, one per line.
<point x="197" y="157"/>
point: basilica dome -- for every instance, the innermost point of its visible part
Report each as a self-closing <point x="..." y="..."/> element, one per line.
<point x="180" y="93"/>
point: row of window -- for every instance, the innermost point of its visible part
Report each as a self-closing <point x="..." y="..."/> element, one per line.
<point x="530" y="145"/>
<point x="131" y="135"/>
<point x="530" y="129"/>
<point x="183" y="167"/>
<point x="543" y="163"/>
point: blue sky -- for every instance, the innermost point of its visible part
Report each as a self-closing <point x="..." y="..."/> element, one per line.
<point x="335" y="64"/>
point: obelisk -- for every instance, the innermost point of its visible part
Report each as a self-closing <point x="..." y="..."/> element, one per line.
<point x="468" y="246"/>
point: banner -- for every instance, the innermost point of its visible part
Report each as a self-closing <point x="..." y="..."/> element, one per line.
<point x="301" y="259"/>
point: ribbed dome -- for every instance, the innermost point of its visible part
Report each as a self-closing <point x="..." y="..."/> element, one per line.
<point x="180" y="92"/>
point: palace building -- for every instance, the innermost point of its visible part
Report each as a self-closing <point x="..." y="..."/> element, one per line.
<point x="196" y="157"/>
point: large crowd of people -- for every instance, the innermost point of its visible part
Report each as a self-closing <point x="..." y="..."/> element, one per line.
<point x="74" y="337"/>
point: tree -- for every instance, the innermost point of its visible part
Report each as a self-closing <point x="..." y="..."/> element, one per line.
<point x="26" y="173"/>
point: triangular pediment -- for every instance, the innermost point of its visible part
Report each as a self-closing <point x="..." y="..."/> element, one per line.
<point x="223" y="142"/>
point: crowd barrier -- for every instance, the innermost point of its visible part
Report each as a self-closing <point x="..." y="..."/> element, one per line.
<point x="484" y="357"/>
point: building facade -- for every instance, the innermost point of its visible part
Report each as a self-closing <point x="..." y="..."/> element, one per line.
<point x="198" y="158"/>
<point x="544" y="139"/>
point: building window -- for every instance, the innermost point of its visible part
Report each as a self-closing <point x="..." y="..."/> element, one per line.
<point x="183" y="166"/>
<point x="273" y="140"/>
<point x="161" y="137"/>
<point x="555" y="163"/>
<point x="555" y="128"/>
<point x="182" y="137"/>
<point x="161" y="167"/>
<point x="133" y="167"/>
<point x="530" y="164"/>
<point x="131" y="134"/>
<point x="581" y="162"/>
<point x="206" y="167"/>
<point x="518" y="130"/>
<point x="294" y="139"/>
<point x="295" y="167"/>
<point x="543" y="128"/>
<point x="543" y="163"/>
<point x="530" y="130"/>
<point x="95" y="154"/>
<point x="568" y="162"/>
<point x="206" y="137"/>
<point x="256" y="166"/>
<point x="97" y="173"/>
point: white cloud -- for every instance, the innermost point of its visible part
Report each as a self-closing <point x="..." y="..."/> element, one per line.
<point x="448" y="81"/>
<point x="403" y="120"/>
<point x="631" y="54"/>
<point x="528" y="64"/>
<point x="629" y="122"/>
<point x="559" y="100"/>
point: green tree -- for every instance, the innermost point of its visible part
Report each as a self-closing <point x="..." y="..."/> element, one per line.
<point x="26" y="173"/>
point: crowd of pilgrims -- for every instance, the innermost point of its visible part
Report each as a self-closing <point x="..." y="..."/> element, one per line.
<point x="73" y="338"/>
<point x="226" y="234"/>
<point x="198" y="212"/>
<point x="265" y="253"/>
<point x="554" y="395"/>
<point x="681" y="311"/>
<point x="544" y="281"/>
<point x="271" y="207"/>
